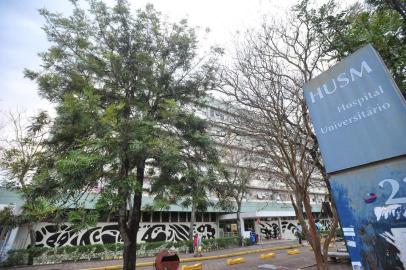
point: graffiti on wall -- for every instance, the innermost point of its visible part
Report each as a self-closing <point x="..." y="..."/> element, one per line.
<point x="325" y="224"/>
<point x="289" y="226"/>
<point x="270" y="229"/>
<point x="50" y="235"/>
<point x="175" y="232"/>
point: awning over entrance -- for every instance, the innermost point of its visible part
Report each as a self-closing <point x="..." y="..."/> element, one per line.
<point x="259" y="214"/>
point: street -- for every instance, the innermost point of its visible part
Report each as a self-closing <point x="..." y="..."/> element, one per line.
<point x="304" y="260"/>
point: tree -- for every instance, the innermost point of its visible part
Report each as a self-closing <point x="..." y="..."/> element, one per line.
<point x="24" y="149"/>
<point x="7" y="220"/>
<point x="195" y="193"/>
<point x="124" y="86"/>
<point x="19" y="161"/>
<point x="266" y="82"/>
<point x="199" y="172"/>
<point x="398" y="5"/>
<point x="345" y="31"/>
<point x="241" y="165"/>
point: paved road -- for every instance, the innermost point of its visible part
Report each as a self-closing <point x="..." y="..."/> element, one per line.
<point x="304" y="260"/>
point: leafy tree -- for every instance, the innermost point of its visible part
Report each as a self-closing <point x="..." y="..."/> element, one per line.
<point x="124" y="86"/>
<point x="19" y="161"/>
<point x="7" y="220"/>
<point x="196" y="193"/>
<point x="198" y="176"/>
<point x="345" y="31"/>
<point x="398" y="5"/>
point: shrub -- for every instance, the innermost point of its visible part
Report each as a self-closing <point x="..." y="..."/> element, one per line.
<point x="37" y="251"/>
<point x="16" y="257"/>
<point x="339" y="233"/>
<point x="70" y="249"/>
<point x="20" y="256"/>
<point x="99" y="248"/>
<point x="247" y="242"/>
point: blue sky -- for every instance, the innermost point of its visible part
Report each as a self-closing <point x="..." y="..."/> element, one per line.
<point x="21" y="36"/>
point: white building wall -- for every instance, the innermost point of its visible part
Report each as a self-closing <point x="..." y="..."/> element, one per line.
<point x="22" y="238"/>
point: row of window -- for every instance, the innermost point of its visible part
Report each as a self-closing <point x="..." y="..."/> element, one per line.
<point x="279" y="196"/>
<point x="158" y="217"/>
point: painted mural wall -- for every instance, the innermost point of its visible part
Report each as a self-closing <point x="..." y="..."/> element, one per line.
<point x="50" y="235"/>
<point x="270" y="229"/>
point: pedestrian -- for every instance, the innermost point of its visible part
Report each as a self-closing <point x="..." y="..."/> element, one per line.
<point x="318" y="225"/>
<point x="299" y="233"/>
<point x="197" y="245"/>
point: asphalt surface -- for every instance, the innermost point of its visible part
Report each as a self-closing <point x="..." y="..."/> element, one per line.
<point x="304" y="260"/>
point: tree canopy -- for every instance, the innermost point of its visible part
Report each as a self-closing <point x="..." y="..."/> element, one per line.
<point x="377" y="22"/>
<point x="124" y="86"/>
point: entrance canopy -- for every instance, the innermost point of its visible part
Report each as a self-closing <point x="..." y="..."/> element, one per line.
<point x="258" y="214"/>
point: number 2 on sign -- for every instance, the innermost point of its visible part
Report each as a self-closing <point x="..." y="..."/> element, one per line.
<point x="395" y="188"/>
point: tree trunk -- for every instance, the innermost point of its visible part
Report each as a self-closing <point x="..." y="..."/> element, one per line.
<point x="316" y="157"/>
<point x="239" y="222"/>
<point x="333" y="207"/>
<point x="191" y="227"/>
<point x="129" y="222"/>
<point x="32" y="243"/>
<point x="332" y="233"/>
<point x="130" y="254"/>
<point x="4" y="231"/>
<point x="314" y="236"/>
<point x="309" y="229"/>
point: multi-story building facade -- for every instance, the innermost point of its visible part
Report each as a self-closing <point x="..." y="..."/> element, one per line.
<point x="266" y="207"/>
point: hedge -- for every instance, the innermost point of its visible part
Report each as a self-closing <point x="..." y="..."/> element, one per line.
<point x="107" y="251"/>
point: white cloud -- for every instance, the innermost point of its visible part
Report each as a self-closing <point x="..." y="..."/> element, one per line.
<point x="18" y="92"/>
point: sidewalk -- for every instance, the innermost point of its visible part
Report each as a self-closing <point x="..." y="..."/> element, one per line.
<point x="95" y="264"/>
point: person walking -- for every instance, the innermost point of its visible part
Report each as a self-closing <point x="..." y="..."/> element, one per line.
<point x="318" y="225"/>
<point x="299" y="233"/>
<point x="197" y="245"/>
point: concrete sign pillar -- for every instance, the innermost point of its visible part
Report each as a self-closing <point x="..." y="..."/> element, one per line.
<point x="359" y="117"/>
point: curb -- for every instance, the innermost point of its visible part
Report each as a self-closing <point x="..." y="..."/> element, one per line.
<point x="198" y="259"/>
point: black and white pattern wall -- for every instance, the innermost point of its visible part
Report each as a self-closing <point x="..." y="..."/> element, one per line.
<point x="50" y="235"/>
<point x="271" y="230"/>
<point x="175" y="232"/>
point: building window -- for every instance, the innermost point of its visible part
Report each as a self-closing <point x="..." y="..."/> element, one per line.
<point x="206" y="217"/>
<point x="174" y="216"/>
<point x="199" y="217"/>
<point x="156" y="216"/>
<point x="165" y="217"/>
<point x="182" y="217"/>
<point x="213" y="217"/>
<point x="284" y="197"/>
<point x="189" y="217"/>
<point x="146" y="216"/>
